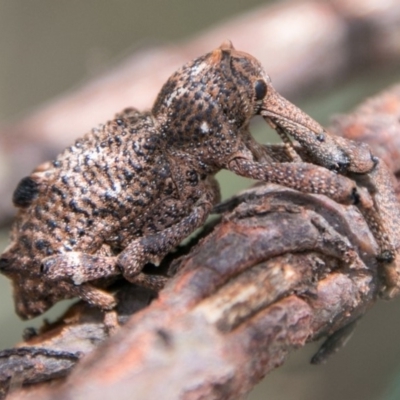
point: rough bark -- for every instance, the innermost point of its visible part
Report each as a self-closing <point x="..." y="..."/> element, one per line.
<point x="277" y="270"/>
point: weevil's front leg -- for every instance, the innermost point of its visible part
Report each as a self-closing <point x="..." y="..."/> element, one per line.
<point x="308" y="178"/>
<point x="288" y="146"/>
<point x="154" y="247"/>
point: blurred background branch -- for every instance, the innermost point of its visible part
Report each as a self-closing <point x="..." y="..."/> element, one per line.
<point x="304" y="45"/>
<point x="307" y="47"/>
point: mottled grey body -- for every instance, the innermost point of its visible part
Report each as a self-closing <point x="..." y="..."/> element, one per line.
<point x="113" y="185"/>
<point x="131" y="190"/>
<point x="116" y="184"/>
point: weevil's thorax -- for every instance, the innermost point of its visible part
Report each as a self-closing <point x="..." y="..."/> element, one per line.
<point x="203" y="108"/>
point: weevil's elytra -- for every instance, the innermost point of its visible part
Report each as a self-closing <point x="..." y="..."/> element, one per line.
<point x="132" y="189"/>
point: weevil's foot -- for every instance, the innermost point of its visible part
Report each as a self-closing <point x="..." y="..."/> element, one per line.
<point x="333" y="343"/>
<point x="375" y="160"/>
<point x="386" y="256"/>
<point x="390" y="273"/>
<point x="389" y="292"/>
<point x="111" y="323"/>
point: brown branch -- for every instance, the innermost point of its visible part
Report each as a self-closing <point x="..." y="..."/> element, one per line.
<point x="327" y="41"/>
<point x="242" y="300"/>
<point x="270" y="276"/>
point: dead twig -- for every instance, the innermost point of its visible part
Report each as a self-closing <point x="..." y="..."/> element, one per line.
<point x="269" y="278"/>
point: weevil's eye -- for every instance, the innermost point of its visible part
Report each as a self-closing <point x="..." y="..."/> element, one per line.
<point x="260" y="89"/>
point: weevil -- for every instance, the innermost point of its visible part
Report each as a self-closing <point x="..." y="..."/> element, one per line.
<point x="133" y="188"/>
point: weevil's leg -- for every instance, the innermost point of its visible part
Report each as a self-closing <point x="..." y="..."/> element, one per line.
<point x="334" y="244"/>
<point x="384" y="222"/>
<point x="95" y="296"/>
<point x="380" y="232"/>
<point x="111" y="321"/>
<point x="101" y="299"/>
<point x="153" y="248"/>
<point x="304" y="177"/>
<point x="153" y="282"/>
<point x="287" y="143"/>
<point x="334" y="343"/>
<point x="79" y="267"/>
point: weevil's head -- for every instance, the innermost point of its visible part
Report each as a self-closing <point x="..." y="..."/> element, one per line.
<point x="224" y="84"/>
<point x="210" y="101"/>
<point x="207" y="104"/>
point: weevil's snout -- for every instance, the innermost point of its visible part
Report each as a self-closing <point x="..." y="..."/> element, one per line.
<point x="325" y="149"/>
<point x="317" y="143"/>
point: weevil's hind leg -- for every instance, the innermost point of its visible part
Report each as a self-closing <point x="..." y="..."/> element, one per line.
<point x="75" y="269"/>
<point x="111" y="321"/>
<point x="95" y="296"/>
<point x="100" y="299"/>
<point x="79" y="268"/>
<point x="334" y="343"/>
<point x="154" y="247"/>
<point x="384" y="221"/>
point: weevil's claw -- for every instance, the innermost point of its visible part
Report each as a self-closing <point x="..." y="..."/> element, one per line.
<point x="386" y="256"/>
<point x="375" y="160"/>
<point x="340" y="166"/>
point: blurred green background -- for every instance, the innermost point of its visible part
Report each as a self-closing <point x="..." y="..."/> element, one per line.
<point x="48" y="47"/>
